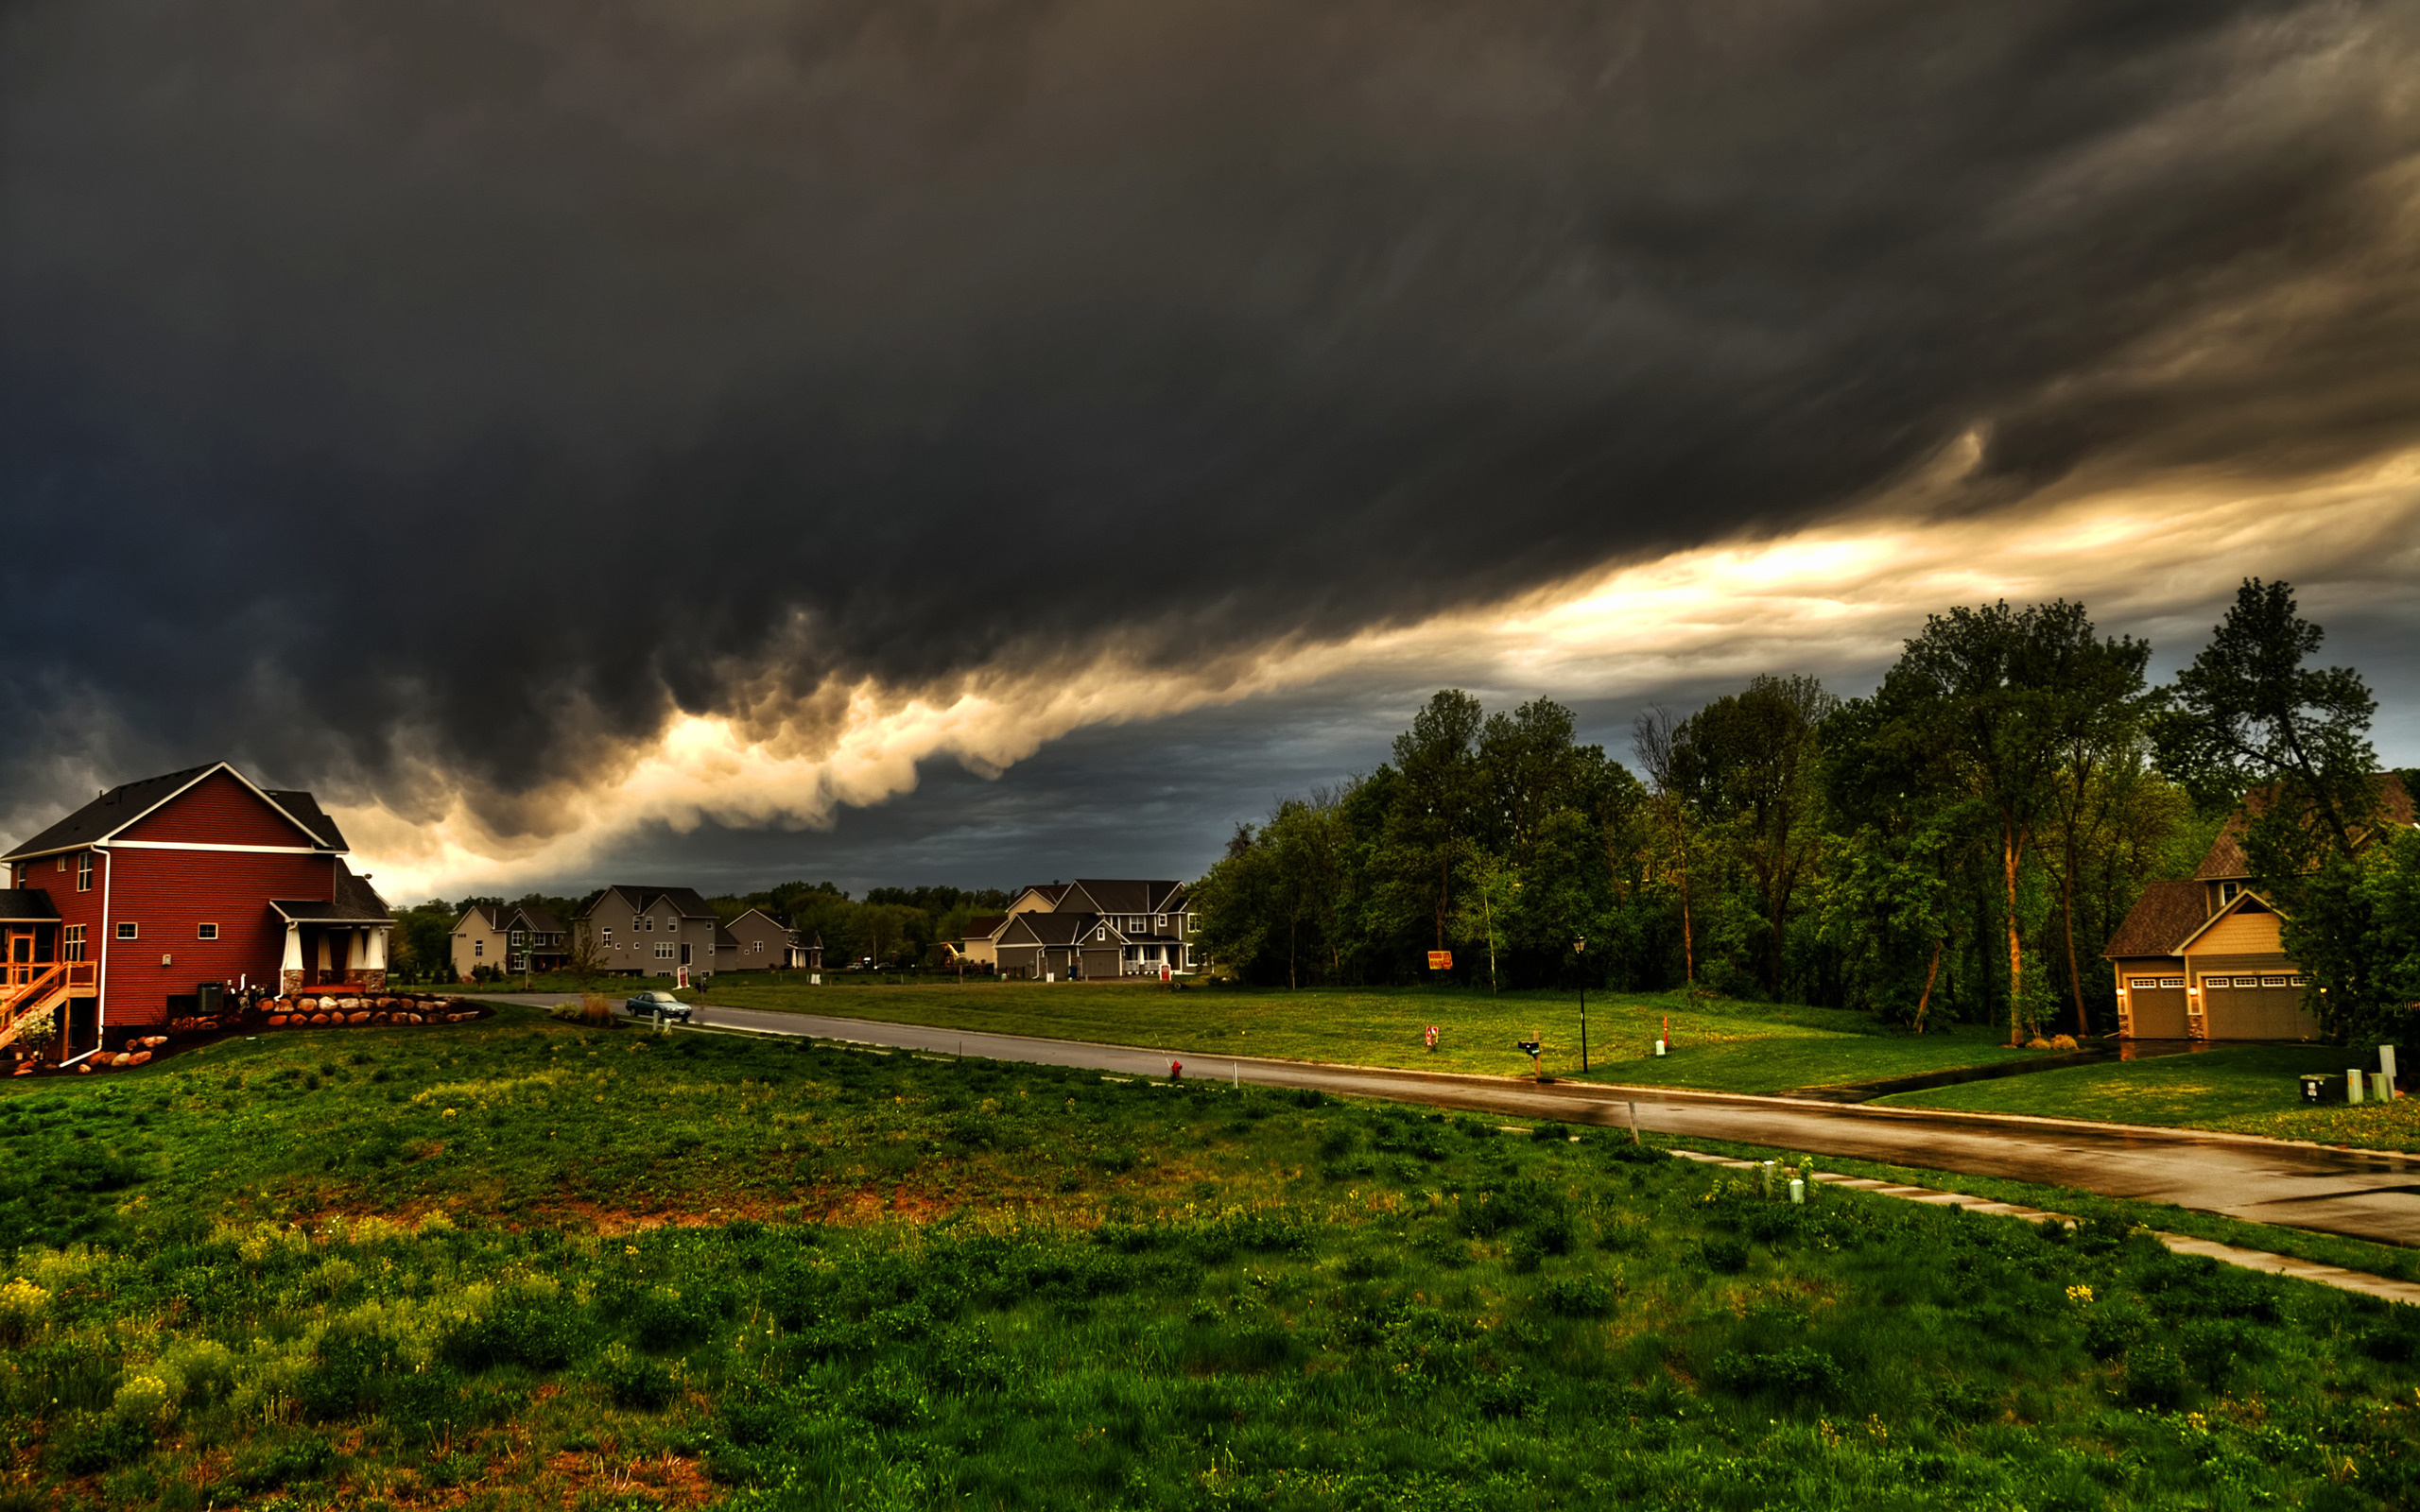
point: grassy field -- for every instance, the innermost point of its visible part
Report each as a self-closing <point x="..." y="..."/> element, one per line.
<point x="523" y="1264"/>
<point x="1734" y="1046"/>
<point x="2236" y="1089"/>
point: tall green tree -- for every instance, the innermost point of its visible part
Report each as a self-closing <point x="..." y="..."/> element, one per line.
<point x="1440" y="797"/>
<point x="1655" y="742"/>
<point x="1751" y="762"/>
<point x="1996" y="693"/>
<point x="2248" y="722"/>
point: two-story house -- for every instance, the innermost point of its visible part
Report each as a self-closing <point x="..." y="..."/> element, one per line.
<point x="513" y="937"/>
<point x="1091" y="929"/>
<point x="653" y="931"/>
<point x="761" y="942"/>
<point x="159" y="894"/>
<point x="2202" y="958"/>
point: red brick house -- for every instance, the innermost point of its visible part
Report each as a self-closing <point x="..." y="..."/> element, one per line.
<point x="158" y="894"/>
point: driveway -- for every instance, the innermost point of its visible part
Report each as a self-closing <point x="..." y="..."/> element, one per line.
<point x="2364" y="1194"/>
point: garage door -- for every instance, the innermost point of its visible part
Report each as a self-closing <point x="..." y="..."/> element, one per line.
<point x="2247" y="1006"/>
<point x="2156" y="1007"/>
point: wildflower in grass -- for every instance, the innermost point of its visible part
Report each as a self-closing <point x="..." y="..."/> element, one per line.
<point x="2079" y="1296"/>
<point x="22" y="1307"/>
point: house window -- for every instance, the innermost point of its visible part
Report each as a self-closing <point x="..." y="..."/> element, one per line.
<point x="2272" y="981"/>
<point x="206" y="932"/>
<point x="2142" y="983"/>
<point x="1160" y="923"/>
<point x="2227" y="891"/>
<point x="2247" y="981"/>
<point x="84" y="872"/>
<point x="2214" y="981"/>
<point x="635" y="923"/>
<point x="478" y="947"/>
<point x="71" y="943"/>
<point x="672" y="926"/>
<point x="2171" y="981"/>
<point x="663" y="949"/>
<point x="1101" y="932"/>
<point x="520" y="940"/>
<point x="608" y="940"/>
<point x="650" y="923"/>
<point x="62" y="862"/>
<point x="130" y="932"/>
<point x="2298" y="981"/>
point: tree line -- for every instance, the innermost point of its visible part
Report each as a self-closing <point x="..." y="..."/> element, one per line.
<point x="1958" y="845"/>
<point x="898" y="928"/>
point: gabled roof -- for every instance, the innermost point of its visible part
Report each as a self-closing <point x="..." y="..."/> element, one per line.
<point x="1111" y="895"/>
<point x="2159" y="923"/>
<point x="26" y="905"/>
<point x="782" y="925"/>
<point x="1056" y="929"/>
<point x="2225" y="860"/>
<point x="684" y="901"/>
<point x="2246" y="901"/>
<point x="356" y="903"/>
<point x="126" y="802"/>
<point x="536" y="919"/>
<point x="487" y="914"/>
<point x="984" y="927"/>
<point x="723" y="936"/>
<point x="1049" y="892"/>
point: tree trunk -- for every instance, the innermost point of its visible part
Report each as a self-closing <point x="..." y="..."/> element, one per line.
<point x="1924" y="1003"/>
<point x="2068" y="910"/>
<point x="2016" y="952"/>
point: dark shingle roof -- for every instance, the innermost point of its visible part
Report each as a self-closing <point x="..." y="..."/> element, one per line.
<point x="1118" y="895"/>
<point x="1059" y="929"/>
<point x="2226" y="859"/>
<point x="984" y="926"/>
<point x="2160" y="920"/>
<point x="127" y="802"/>
<point x="356" y="903"/>
<point x="538" y="920"/>
<point x="684" y="900"/>
<point x="26" y="905"/>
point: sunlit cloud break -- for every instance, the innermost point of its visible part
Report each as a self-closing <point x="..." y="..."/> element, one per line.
<point x="1830" y="600"/>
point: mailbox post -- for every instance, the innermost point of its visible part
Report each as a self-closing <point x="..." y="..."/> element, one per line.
<point x="1530" y="1048"/>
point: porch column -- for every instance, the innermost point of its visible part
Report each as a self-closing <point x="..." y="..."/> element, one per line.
<point x="373" y="960"/>
<point x="289" y="974"/>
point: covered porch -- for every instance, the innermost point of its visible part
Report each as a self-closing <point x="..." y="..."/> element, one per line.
<point x="332" y="945"/>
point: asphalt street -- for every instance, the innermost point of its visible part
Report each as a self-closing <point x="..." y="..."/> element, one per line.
<point x="2360" y="1194"/>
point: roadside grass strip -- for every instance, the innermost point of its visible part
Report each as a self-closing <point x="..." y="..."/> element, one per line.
<point x="2260" y="1259"/>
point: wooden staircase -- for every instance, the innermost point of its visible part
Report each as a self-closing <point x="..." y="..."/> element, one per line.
<point x="33" y="989"/>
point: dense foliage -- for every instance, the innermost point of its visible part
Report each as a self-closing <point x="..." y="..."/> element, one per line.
<point x="535" y="1265"/>
<point x="1958" y="845"/>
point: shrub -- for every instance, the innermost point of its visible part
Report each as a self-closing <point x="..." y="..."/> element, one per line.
<point x="668" y="1317"/>
<point x="89" y="1444"/>
<point x="1723" y="1253"/>
<point x="1579" y="1295"/>
<point x="636" y="1380"/>
<point x="2110" y="1328"/>
<point x="23" y="1308"/>
<point x="1798" y="1370"/>
<point x="522" y="1326"/>
<point x="2154" y="1379"/>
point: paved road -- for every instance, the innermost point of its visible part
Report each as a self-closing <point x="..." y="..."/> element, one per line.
<point x="2366" y="1196"/>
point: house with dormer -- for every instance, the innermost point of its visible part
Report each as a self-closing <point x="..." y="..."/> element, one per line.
<point x="1091" y="929"/>
<point x="2204" y="958"/>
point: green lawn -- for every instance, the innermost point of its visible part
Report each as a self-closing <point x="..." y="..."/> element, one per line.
<point x="2234" y="1089"/>
<point x="1734" y="1047"/>
<point x="521" y="1263"/>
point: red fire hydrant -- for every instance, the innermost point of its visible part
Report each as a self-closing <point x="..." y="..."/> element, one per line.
<point x="1176" y="1070"/>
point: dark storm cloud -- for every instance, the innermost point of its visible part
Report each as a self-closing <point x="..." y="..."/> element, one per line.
<point x="460" y="388"/>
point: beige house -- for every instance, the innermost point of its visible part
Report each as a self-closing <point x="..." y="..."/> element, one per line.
<point x="506" y="938"/>
<point x="2203" y="958"/>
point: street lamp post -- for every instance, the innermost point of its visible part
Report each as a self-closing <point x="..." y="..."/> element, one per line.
<point x="1580" y="947"/>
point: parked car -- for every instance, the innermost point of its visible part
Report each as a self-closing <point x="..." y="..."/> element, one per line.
<point x="656" y="1005"/>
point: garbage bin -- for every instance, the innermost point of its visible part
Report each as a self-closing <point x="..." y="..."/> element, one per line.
<point x="2319" y="1089"/>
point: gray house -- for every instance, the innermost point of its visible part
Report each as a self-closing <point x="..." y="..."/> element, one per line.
<point x="761" y="942"/>
<point x="653" y="931"/>
<point x="1092" y="930"/>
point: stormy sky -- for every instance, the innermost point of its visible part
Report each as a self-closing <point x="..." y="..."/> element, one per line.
<point x="982" y="441"/>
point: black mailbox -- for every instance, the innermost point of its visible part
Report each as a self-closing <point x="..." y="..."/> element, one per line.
<point x="2317" y="1088"/>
